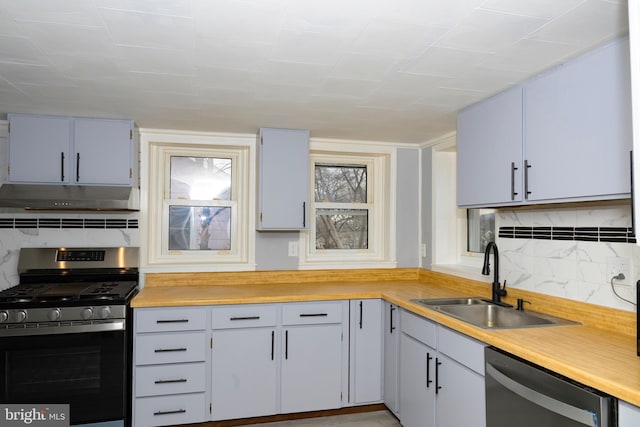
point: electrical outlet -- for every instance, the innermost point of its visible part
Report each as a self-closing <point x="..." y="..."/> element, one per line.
<point x="617" y="265"/>
<point x="423" y="250"/>
<point x="293" y="248"/>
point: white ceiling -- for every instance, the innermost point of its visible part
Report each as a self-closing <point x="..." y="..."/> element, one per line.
<point x="381" y="70"/>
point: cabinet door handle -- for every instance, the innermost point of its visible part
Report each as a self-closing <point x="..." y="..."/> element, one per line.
<point x="181" y="380"/>
<point x="169" y="350"/>
<point x="391" y="327"/>
<point x="360" y="314"/>
<point x="633" y="197"/>
<point x="429" y="380"/>
<point x="172" y="321"/>
<point x="527" y="166"/>
<point x="62" y="166"/>
<point x="77" y="167"/>
<point x="273" y="343"/>
<point x="513" y="181"/>
<point x="304" y="214"/>
<point x="313" y="315"/>
<point x="245" y="318"/>
<point x="438" y="386"/>
<point x="286" y="345"/>
<point x="177" y="411"/>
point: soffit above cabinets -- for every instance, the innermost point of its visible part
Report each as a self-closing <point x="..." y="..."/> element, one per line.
<point x="385" y="70"/>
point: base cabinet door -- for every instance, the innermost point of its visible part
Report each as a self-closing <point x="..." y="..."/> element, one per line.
<point x="366" y="351"/>
<point x="417" y="383"/>
<point x="311" y="368"/>
<point x="391" y="334"/>
<point x="460" y="388"/>
<point x="243" y="373"/>
<point x="628" y="415"/>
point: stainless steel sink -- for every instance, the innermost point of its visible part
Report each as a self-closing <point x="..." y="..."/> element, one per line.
<point x="484" y="314"/>
<point x="430" y="302"/>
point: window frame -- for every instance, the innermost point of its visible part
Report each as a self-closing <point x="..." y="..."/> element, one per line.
<point x="240" y="256"/>
<point x="381" y="219"/>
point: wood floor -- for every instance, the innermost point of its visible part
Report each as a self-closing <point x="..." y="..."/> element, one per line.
<point x="365" y="419"/>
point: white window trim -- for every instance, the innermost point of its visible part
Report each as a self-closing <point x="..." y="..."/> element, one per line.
<point x="449" y="226"/>
<point x="382" y="236"/>
<point x="156" y="148"/>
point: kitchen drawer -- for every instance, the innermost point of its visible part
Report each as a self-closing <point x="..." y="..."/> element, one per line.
<point x="243" y="316"/>
<point x="170" y="379"/>
<point x="170" y="319"/>
<point x="153" y="349"/>
<point x="170" y="410"/>
<point x="312" y="313"/>
<point x="419" y="328"/>
<point x="466" y="350"/>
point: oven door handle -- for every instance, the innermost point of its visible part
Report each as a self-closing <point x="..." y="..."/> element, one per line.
<point x="574" y="413"/>
<point x="116" y="325"/>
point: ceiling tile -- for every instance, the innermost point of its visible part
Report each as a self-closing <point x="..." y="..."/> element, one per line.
<point x="155" y="60"/>
<point x="62" y="38"/>
<point x="307" y="47"/>
<point x="216" y="53"/>
<point x="363" y="67"/>
<point x="20" y="50"/>
<point x="182" y="8"/>
<point x="577" y="27"/>
<point x="488" y="31"/>
<point x="547" y="9"/>
<point x="72" y="12"/>
<point x="439" y="61"/>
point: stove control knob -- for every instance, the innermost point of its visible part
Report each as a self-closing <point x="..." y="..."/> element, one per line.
<point x="104" y="312"/>
<point x="54" y="314"/>
<point x="4" y="316"/>
<point x="87" y="313"/>
<point x="21" y="316"/>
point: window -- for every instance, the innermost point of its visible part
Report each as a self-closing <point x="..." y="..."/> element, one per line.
<point x="481" y="226"/>
<point x="349" y="209"/>
<point x="201" y="193"/>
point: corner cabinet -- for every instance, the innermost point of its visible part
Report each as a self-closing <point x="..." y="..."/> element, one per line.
<point x="541" y="142"/>
<point x="366" y="351"/>
<point x="391" y="334"/>
<point x="441" y="371"/>
<point x="65" y="150"/>
<point x="283" y="179"/>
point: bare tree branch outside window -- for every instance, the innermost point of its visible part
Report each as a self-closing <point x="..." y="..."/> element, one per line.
<point x="341" y="227"/>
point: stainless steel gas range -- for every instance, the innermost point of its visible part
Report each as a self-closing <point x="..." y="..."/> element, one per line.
<point x="65" y="332"/>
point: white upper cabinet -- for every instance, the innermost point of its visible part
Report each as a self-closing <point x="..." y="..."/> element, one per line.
<point x="64" y="150"/>
<point x="283" y="179"/>
<point x="489" y="141"/>
<point x="563" y="136"/>
<point x="577" y="135"/>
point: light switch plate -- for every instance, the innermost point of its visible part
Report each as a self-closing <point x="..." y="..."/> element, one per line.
<point x="294" y="248"/>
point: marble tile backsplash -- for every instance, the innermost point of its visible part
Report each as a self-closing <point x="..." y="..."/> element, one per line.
<point x="571" y="269"/>
<point x="13" y="238"/>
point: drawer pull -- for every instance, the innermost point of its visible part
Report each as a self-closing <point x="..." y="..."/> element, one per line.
<point x="313" y="315"/>
<point x="173" y="321"/>
<point x="177" y="411"/>
<point x="245" y="318"/>
<point x="168" y="350"/>
<point x="181" y="380"/>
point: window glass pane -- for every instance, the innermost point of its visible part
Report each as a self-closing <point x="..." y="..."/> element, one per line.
<point x="342" y="229"/>
<point x="341" y="184"/>
<point x="481" y="227"/>
<point x="200" y="178"/>
<point x="199" y="228"/>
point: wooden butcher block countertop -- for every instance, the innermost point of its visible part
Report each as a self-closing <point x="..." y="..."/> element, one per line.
<point x="600" y="353"/>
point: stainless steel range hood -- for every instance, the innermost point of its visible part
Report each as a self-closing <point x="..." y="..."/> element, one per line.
<point x="69" y="197"/>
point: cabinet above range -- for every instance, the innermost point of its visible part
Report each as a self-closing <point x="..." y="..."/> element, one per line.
<point x="542" y="141"/>
<point x="56" y="162"/>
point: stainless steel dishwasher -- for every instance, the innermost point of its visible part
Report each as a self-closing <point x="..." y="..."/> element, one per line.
<point x="524" y="395"/>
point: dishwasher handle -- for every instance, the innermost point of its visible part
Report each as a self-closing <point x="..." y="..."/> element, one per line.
<point x="576" y="414"/>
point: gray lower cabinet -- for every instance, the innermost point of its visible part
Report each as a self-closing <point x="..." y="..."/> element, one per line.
<point x="365" y="352"/>
<point x="244" y="361"/>
<point x="391" y="334"/>
<point x="441" y="372"/>
<point x="628" y="415"/>
<point x="314" y="369"/>
<point x="170" y="366"/>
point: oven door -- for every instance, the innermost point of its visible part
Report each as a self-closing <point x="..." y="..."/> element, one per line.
<point x="87" y="370"/>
